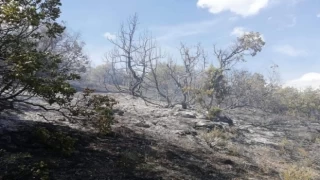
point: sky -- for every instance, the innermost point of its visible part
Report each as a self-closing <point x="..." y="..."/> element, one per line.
<point x="290" y="28"/>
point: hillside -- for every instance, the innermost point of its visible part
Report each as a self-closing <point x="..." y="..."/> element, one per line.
<point x="185" y="94"/>
<point x="149" y="142"/>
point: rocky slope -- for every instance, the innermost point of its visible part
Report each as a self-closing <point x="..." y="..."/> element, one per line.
<point x="181" y="144"/>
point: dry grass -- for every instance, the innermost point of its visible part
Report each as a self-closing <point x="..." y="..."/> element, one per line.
<point x="294" y="172"/>
<point x="284" y="145"/>
<point x="217" y="137"/>
<point x="266" y="159"/>
<point x="235" y="150"/>
<point x="315" y="139"/>
<point x="215" y="134"/>
<point x="302" y="152"/>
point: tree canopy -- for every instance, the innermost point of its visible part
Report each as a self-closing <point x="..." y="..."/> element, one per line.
<point x="26" y="68"/>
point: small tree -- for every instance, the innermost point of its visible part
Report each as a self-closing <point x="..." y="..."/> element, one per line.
<point x="216" y="88"/>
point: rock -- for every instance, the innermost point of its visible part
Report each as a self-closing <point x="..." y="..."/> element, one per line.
<point x="211" y="125"/>
<point x="201" y="116"/>
<point x="205" y="124"/>
<point x="144" y="125"/>
<point x="177" y="108"/>
<point x="228" y="161"/>
<point x="257" y="135"/>
<point x="158" y="115"/>
<point x="221" y="125"/>
<point x="119" y="112"/>
<point x="62" y="119"/>
<point x="185" y="114"/>
<point x="224" y="119"/>
<point x="187" y="132"/>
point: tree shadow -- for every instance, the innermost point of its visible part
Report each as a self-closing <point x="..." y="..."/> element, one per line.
<point x="122" y="154"/>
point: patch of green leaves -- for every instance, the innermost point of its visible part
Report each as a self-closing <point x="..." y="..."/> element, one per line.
<point x="57" y="141"/>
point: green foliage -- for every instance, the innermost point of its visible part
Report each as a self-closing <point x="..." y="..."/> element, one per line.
<point x="129" y="158"/>
<point x="214" y="112"/>
<point x="214" y="90"/>
<point x="30" y="66"/>
<point x="252" y="90"/>
<point x="18" y="166"/>
<point x="24" y="68"/>
<point x="13" y="158"/>
<point x="248" y="89"/>
<point x="35" y="171"/>
<point x="42" y="134"/>
<point x="57" y="141"/>
<point x="97" y="110"/>
<point x="304" y="103"/>
<point x="104" y="113"/>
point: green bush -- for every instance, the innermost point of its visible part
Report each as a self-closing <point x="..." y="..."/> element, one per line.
<point x="42" y="134"/>
<point x="20" y="166"/>
<point x="96" y="110"/>
<point x="304" y="103"/>
<point x="35" y="171"/>
<point x="57" y="141"/>
<point x="214" y="112"/>
<point x="103" y="106"/>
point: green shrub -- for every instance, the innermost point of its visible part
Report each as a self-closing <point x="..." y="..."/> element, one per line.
<point x="20" y="166"/>
<point x="57" y="141"/>
<point x="42" y="134"/>
<point x="95" y="110"/>
<point x="28" y="171"/>
<point x="63" y="143"/>
<point x="214" y="90"/>
<point x="214" y="112"/>
<point x="35" y="171"/>
<point x="103" y="106"/>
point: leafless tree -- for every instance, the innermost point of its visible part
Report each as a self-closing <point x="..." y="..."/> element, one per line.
<point x="186" y="77"/>
<point x="159" y="83"/>
<point x="139" y="62"/>
<point x="193" y="81"/>
<point x="131" y="56"/>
